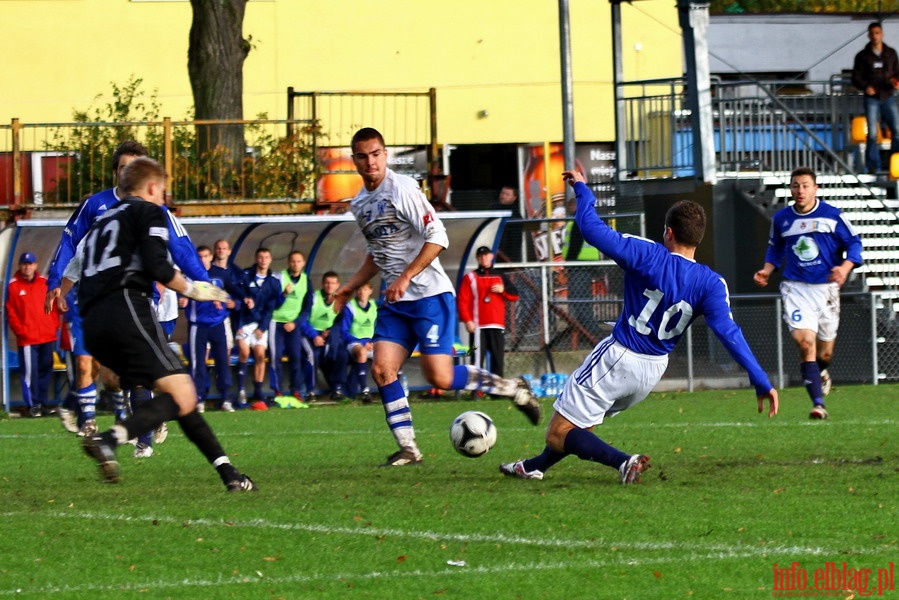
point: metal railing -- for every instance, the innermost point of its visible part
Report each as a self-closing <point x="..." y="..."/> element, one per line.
<point x="44" y="165"/>
<point x="759" y="126"/>
<point x="296" y="159"/>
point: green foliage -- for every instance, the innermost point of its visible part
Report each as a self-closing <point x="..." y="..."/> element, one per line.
<point x="283" y="167"/>
<point x="98" y="131"/>
<point x="276" y="166"/>
<point x="804" y="6"/>
<point x="729" y="494"/>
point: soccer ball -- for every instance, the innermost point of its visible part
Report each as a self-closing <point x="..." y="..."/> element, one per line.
<point x="473" y="434"/>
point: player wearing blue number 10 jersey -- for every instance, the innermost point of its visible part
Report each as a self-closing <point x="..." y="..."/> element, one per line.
<point x="664" y="291"/>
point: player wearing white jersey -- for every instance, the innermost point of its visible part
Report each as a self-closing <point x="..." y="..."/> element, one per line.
<point x="405" y="238"/>
<point x="664" y="291"/>
<point x="818" y="248"/>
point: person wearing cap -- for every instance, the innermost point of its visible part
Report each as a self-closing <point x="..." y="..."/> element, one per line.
<point x="36" y="331"/>
<point x="481" y="301"/>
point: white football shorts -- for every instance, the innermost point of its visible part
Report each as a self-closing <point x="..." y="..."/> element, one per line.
<point x="611" y="379"/>
<point x="814" y="306"/>
<point x="247" y="333"/>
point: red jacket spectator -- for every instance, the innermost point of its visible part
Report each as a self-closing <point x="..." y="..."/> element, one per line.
<point x="25" y="308"/>
<point x="489" y="309"/>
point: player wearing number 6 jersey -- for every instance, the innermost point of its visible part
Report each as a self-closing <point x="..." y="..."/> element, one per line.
<point x="664" y="291"/>
<point x="404" y="238"/>
<point x="817" y="248"/>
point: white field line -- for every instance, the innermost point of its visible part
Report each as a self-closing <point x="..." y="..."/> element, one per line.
<point x="497" y="538"/>
<point x="688" y="552"/>
<point x="612" y="424"/>
<point x="257" y="577"/>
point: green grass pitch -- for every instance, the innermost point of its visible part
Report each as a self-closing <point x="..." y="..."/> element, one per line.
<point x="730" y="493"/>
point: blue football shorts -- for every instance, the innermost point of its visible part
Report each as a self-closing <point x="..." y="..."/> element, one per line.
<point x="429" y="323"/>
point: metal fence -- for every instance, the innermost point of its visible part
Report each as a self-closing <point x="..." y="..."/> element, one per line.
<point x="58" y="164"/>
<point x="565" y="308"/>
<point x="303" y="158"/>
<point x="758" y="126"/>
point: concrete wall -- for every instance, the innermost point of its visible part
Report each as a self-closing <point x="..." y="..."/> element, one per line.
<point x="817" y="44"/>
<point x="501" y="56"/>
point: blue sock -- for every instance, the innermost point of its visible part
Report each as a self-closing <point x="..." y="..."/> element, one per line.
<point x="241" y="376"/>
<point x="257" y="390"/>
<point x="87" y="402"/>
<point x="544" y="461"/>
<point x="71" y="401"/>
<point x="118" y="399"/>
<point x="362" y="383"/>
<point x="397" y="412"/>
<point x="472" y="378"/>
<point x="587" y="446"/>
<point x="811" y="377"/>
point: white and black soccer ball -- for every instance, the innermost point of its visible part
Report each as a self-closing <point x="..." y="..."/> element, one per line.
<point x="473" y="434"/>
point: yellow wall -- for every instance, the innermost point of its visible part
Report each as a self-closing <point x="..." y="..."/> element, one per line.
<point x="496" y="55"/>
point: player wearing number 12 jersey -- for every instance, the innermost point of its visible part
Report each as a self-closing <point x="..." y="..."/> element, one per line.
<point x="124" y="252"/>
<point x="664" y="291"/>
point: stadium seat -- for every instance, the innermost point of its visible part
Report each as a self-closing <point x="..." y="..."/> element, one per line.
<point x="859" y="131"/>
<point x="894" y="166"/>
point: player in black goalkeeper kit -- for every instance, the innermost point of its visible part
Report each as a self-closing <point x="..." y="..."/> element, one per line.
<point x="124" y="253"/>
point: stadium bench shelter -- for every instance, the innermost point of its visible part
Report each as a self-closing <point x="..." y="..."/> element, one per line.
<point x="331" y="242"/>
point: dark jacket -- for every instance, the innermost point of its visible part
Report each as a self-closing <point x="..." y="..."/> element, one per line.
<point x="880" y="72"/>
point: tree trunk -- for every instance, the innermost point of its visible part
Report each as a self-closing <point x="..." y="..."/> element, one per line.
<point x="215" y="64"/>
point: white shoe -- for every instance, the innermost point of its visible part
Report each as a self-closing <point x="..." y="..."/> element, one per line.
<point x="88" y="429"/>
<point x="242" y="397"/>
<point x="407" y="455"/>
<point x="68" y="419"/>
<point x="201" y="407"/>
<point x="516" y="469"/>
<point x="227" y="406"/>
<point x="826" y="382"/>
<point x="819" y="412"/>
<point x="160" y="434"/>
<point x="527" y="402"/>
<point x="143" y="451"/>
<point x="633" y="468"/>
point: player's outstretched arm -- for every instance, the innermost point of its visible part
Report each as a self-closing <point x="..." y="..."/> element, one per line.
<point x="771" y="396"/>
<point x="572" y="177"/>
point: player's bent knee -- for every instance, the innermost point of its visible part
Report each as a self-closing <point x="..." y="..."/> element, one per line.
<point x="443" y="381"/>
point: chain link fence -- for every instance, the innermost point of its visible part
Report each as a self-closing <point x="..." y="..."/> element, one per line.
<point x="566" y="308"/>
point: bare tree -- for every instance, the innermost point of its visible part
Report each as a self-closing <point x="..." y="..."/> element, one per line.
<point x="215" y="60"/>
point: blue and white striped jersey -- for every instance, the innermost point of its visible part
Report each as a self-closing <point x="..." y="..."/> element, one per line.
<point x="396" y="220"/>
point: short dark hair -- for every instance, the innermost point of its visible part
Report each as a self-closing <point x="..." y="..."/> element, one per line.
<point x="687" y="221"/>
<point x="261" y="249"/>
<point x="204" y="249"/>
<point x="330" y="274"/>
<point x="800" y="171"/>
<point x="130" y="148"/>
<point x="292" y="252"/>
<point x="138" y="172"/>
<point x="365" y="134"/>
<point x="875" y="24"/>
